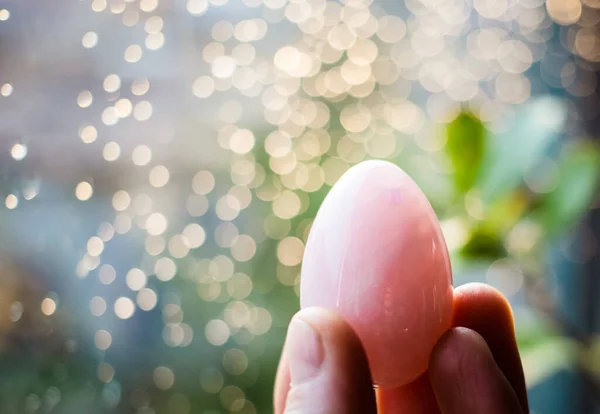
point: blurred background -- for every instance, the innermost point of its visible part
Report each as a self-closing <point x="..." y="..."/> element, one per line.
<point x="161" y="162"/>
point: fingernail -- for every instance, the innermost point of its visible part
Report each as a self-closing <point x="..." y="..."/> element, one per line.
<point x="305" y="351"/>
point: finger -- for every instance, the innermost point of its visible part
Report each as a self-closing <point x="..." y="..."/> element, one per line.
<point x="483" y="309"/>
<point x="466" y="379"/>
<point x="282" y="383"/>
<point x="327" y="366"/>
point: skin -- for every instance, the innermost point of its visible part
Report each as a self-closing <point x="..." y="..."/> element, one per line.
<point x="474" y="368"/>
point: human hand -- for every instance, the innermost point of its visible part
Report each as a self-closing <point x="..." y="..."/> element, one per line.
<point x="474" y="368"/>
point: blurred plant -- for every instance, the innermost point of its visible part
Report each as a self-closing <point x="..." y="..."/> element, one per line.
<point x="516" y="193"/>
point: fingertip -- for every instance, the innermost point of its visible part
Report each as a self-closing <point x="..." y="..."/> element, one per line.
<point x="487" y="299"/>
<point x="455" y="350"/>
<point x="465" y="377"/>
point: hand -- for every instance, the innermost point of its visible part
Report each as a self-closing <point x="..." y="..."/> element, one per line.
<point x="474" y="368"/>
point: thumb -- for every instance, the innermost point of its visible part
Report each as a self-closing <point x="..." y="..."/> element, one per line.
<point x="328" y="367"/>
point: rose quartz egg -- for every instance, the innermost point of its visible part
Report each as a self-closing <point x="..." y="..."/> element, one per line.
<point x="377" y="256"/>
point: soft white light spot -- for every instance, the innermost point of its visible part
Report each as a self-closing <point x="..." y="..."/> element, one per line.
<point x="197" y="7"/>
<point x="95" y="246"/>
<point x="136" y="279"/>
<point x="18" y="151"/>
<point x="11" y="201"/>
<point x="111" y="151"/>
<point x="6" y="90"/>
<point x="121" y="200"/>
<point x="48" y="306"/>
<point x="142" y="111"/>
<point x="84" y="191"/>
<point x="165" y="269"/>
<point x="163" y="378"/>
<point x="140" y="87"/>
<point x="217" y="332"/>
<point x="148" y="5"/>
<point x="84" y="99"/>
<point x="223" y="67"/>
<point x="107" y="274"/>
<point x="156" y="224"/>
<point x="141" y="155"/>
<point x="133" y="53"/>
<point x="147" y="299"/>
<point x="112" y="83"/>
<point x="88" y="134"/>
<point x="103" y="340"/>
<point x="179" y="246"/>
<point x="89" y="40"/>
<point x="97" y="306"/>
<point x="124" y="308"/>
<point x="123" y="108"/>
<point x="159" y="176"/>
<point x="195" y="235"/>
<point x="203" y="87"/>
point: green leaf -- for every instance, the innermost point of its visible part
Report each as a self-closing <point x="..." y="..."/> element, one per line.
<point x="579" y="171"/>
<point x="484" y="243"/>
<point x="510" y="154"/>
<point x="506" y="212"/>
<point x="465" y="147"/>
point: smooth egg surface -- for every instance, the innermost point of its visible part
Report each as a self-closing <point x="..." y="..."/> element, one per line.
<point x="377" y="256"/>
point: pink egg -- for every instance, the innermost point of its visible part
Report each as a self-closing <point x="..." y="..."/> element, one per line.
<point x="377" y="256"/>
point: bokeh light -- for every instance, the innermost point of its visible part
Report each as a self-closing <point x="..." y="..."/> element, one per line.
<point x="165" y="162"/>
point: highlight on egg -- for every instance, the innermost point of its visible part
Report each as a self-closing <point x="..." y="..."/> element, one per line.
<point x="376" y="255"/>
